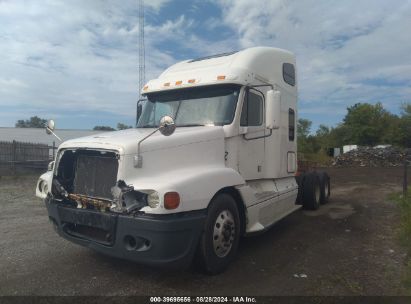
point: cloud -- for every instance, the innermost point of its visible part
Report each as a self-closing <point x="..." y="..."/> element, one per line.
<point x="73" y="54"/>
<point x="66" y="55"/>
<point x="7" y="84"/>
<point x="339" y="45"/>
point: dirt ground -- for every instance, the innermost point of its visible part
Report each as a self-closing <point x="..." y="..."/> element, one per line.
<point x="347" y="247"/>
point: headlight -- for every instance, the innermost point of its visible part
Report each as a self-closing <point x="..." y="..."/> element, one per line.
<point x="153" y="199"/>
<point x="50" y="167"/>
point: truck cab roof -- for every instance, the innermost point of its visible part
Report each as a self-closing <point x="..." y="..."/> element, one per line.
<point x="256" y="65"/>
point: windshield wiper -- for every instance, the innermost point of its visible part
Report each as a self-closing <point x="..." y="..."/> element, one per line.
<point x="179" y="125"/>
<point x="191" y="125"/>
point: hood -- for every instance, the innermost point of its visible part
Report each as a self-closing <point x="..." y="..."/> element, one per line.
<point x="126" y="141"/>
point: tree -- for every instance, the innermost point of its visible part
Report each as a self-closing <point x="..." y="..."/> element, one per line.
<point x="121" y="126"/>
<point x="405" y="125"/>
<point x="303" y="130"/>
<point x="367" y="124"/>
<point x="303" y="127"/>
<point x="322" y="131"/>
<point x="103" y="128"/>
<point x="322" y="136"/>
<point x="33" y="122"/>
<point x="364" y="124"/>
<point x="339" y="136"/>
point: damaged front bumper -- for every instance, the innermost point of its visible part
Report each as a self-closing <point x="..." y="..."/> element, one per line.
<point x="165" y="240"/>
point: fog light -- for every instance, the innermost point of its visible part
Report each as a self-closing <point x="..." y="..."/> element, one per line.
<point x="130" y="242"/>
<point x="136" y="243"/>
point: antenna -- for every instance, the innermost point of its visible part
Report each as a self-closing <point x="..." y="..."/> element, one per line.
<point x="141" y="54"/>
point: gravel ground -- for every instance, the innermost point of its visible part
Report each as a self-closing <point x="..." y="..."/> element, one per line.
<point x="347" y="247"/>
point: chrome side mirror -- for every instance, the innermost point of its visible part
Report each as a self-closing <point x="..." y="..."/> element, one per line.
<point x="50" y="127"/>
<point x="167" y="125"/>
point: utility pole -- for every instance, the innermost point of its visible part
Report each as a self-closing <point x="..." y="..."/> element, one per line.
<point x="141" y="55"/>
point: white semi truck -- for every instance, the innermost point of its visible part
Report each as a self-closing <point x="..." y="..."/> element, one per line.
<point x="213" y="158"/>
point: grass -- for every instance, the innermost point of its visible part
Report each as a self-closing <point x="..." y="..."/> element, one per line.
<point x="319" y="158"/>
<point x="404" y="203"/>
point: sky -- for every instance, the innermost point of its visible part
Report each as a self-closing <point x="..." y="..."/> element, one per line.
<point x="77" y="61"/>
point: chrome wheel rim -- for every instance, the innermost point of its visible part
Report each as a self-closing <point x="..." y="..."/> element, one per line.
<point x="223" y="233"/>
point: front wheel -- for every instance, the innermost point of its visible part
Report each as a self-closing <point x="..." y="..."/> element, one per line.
<point x="220" y="238"/>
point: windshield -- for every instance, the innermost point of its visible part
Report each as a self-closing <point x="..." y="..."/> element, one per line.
<point x="213" y="105"/>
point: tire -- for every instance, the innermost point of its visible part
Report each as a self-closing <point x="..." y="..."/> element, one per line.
<point x="300" y="181"/>
<point x="311" y="191"/>
<point x="325" y="187"/>
<point x="219" y="241"/>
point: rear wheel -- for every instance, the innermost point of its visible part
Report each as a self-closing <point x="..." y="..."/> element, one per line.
<point x="325" y="187"/>
<point x="219" y="241"/>
<point x="300" y="181"/>
<point x="311" y="191"/>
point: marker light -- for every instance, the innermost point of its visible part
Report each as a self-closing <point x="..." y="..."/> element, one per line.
<point x="167" y="84"/>
<point x="191" y="81"/>
<point x="179" y="82"/>
<point x="171" y="200"/>
<point x="221" y="77"/>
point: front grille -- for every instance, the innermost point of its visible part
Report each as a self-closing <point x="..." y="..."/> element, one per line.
<point x="95" y="174"/>
<point x="86" y="172"/>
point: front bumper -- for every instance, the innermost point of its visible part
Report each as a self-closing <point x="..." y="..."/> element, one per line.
<point x="164" y="240"/>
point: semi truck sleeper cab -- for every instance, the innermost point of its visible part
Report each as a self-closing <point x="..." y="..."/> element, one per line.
<point x="213" y="158"/>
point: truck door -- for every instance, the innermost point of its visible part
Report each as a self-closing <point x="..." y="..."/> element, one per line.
<point x="251" y="150"/>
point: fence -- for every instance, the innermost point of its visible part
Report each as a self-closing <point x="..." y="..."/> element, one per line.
<point x="20" y="157"/>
